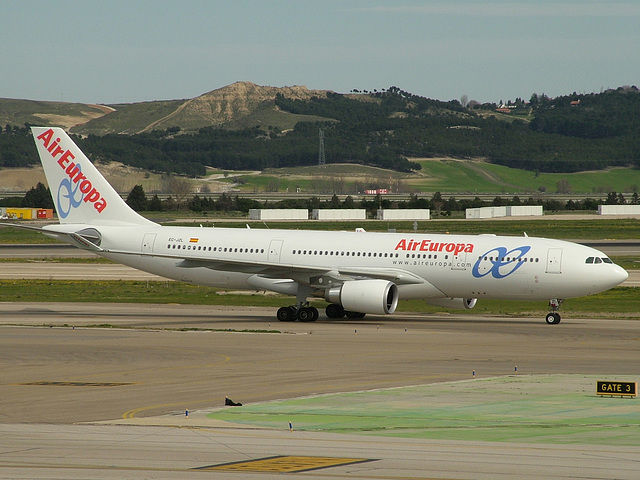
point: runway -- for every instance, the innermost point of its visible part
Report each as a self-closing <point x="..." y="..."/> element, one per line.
<point x="101" y="452"/>
<point x="59" y="371"/>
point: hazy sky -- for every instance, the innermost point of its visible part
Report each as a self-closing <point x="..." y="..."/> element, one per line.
<point x="134" y="50"/>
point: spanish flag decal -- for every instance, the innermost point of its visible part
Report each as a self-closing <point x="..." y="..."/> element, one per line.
<point x="193" y="240"/>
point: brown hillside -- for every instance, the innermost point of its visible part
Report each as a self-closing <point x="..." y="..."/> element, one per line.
<point x="228" y="104"/>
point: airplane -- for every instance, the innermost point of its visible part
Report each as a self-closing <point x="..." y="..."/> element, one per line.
<point x="356" y="272"/>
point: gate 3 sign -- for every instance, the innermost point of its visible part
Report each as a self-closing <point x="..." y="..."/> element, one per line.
<point x="621" y="389"/>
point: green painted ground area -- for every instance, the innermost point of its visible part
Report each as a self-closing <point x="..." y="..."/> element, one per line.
<point x="557" y="409"/>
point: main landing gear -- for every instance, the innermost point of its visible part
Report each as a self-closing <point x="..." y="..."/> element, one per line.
<point x="553" y="317"/>
<point x="305" y="313"/>
<point x="334" y="310"/>
<point x="292" y="313"/>
<point x="301" y="310"/>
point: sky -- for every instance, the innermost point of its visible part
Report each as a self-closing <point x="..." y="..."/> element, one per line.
<point x="136" y="50"/>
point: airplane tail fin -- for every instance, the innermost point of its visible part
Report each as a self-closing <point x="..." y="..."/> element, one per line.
<point x="80" y="193"/>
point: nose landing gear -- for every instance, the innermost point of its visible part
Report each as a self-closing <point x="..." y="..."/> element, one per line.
<point x="553" y="317"/>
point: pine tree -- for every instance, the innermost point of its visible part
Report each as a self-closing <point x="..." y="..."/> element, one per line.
<point x="137" y="199"/>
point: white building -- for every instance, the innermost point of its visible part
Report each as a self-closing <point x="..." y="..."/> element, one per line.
<point x="486" y="212"/>
<point x="404" y="214"/>
<point x="618" y="209"/>
<point x="279" y="214"/>
<point x="512" y="211"/>
<point x="339" y="214"/>
<point x="524" y="210"/>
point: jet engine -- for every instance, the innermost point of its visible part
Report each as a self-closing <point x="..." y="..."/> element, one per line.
<point x="365" y="296"/>
<point x="453" y="303"/>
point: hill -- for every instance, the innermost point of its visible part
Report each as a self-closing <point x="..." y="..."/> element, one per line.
<point x="62" y="114"/>
<point x="239" y="105"/>
<point x="250" y="127"/>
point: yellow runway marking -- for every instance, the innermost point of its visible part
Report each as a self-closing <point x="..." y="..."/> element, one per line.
<point x="76" y="384"/>
<point x="286" y="464"/>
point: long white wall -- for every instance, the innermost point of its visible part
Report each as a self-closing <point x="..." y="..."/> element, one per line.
<point x="339" y="214"/>
<point x="279" y="214"/>
<point x="618" y="209"/>
<point x="404" y="214"/>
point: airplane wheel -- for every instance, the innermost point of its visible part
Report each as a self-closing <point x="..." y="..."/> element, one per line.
<point x="355" y="314"/>
<point x="553" y="318"/>
<point x="334" y="310"/>
<point x="286" y="314"/>
<point x="308" y="314"/>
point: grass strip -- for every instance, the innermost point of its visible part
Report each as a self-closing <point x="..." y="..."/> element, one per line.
<point x="620" y="302"/>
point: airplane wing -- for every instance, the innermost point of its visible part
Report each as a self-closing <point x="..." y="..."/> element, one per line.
<point x="306" y="274"/>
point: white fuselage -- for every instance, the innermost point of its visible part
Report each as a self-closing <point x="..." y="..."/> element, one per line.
<point x="463" y="266"/>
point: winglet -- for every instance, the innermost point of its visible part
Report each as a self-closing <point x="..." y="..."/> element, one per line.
<point x="80" y="193"/>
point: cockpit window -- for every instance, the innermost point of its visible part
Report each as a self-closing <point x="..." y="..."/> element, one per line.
<point x="598" y="260"/>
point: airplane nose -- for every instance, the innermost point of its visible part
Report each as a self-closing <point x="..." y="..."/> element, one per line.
<point x="618" y="275"/>
<point x="623" y="275"/>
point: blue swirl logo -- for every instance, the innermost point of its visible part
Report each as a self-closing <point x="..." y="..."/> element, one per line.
<point x="68" y="199"/>
<point x="499" y="262"/>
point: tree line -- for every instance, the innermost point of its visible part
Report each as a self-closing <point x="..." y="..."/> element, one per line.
<point x="40" y="197"/>
<point x="566" y="134"/>
<point x="438" y="205"/>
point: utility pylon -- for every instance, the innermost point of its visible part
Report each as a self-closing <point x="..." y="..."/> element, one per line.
<point x="321" y="157"/>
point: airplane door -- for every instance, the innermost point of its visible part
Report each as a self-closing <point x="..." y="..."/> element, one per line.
<point x="147" y="242"/>
<point x="274" y="250"/>
<point x="554" y="260"/>
<point x="459" y="262"/>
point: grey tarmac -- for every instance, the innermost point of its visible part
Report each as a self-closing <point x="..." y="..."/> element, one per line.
<point x="63" y="376"/>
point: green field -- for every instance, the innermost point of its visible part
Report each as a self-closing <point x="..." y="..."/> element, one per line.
<point x="444" y="175"/>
